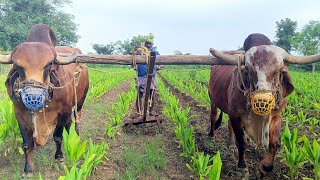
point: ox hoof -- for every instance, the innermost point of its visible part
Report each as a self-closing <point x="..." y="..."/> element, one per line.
<point x="60" y="162"/>
<point x="242" y="172"/>
<point x="210" y="134"/>
<point x="231" y="145"/>
<point x="27" y="175"/>
<point x="265" y="168"/>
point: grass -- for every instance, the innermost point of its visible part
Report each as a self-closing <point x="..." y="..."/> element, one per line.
<point x="146" y="158"/>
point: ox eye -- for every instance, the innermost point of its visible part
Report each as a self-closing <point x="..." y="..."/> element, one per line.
<point x="46" y="70"/>
<point x="20" y="71"/>
<point x="48" y="65"/>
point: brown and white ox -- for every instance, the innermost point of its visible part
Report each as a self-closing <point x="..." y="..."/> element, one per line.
<point x="42" y="91"/>
<point x="253" y="95"/>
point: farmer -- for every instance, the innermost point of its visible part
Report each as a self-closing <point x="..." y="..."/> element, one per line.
<point x="142" y="82"/>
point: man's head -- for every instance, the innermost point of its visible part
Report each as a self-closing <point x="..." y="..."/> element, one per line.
<point x="148" y="44"/>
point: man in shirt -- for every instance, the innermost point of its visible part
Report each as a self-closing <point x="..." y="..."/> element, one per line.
<point x="142" y="82"/>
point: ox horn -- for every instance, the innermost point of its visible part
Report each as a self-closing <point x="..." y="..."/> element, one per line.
<point x="66" y="58"/>
<point x="302" y="59"/>
<point x="5" y="59"/>
<point x="229" y="59"/>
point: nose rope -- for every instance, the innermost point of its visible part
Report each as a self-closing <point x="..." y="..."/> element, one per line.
<point x="249" y="92"/>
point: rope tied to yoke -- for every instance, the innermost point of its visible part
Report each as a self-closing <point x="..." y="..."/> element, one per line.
<point x="75" y="78"/>
<point x="140" y="50"/>
<point x="247" y="87"/>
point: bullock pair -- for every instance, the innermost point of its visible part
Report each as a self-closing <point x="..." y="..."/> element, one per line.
<point x="42" y="90"/>
<point x="253" y="94"/>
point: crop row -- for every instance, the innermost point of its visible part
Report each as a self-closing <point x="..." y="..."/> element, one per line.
<point x="203" y="166"/>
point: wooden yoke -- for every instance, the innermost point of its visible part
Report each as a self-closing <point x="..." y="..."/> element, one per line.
<point x="149" y="78"/>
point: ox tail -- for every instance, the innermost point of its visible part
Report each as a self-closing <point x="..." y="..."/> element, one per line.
<point x="217" y="124"/>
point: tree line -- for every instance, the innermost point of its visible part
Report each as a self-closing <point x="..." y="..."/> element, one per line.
<point x="303" y="42"/>
<point x="17" y="17"/>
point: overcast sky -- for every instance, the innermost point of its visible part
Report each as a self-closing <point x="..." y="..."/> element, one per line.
<point x="187" y="25"/>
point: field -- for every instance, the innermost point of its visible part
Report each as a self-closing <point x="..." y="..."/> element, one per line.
<point x="150" y="151"/>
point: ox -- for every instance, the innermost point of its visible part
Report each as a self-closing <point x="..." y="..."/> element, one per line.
<point x="253" y="95"/>
<point x="42" y="91"/>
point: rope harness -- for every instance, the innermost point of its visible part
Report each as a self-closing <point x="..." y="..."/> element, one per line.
<point x="260" y="102"/>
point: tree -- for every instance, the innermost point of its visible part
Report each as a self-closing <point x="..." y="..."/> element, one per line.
<point x="127" y="45"/>
<point x="307" y="42"/>
<point x="17" y="17"/>
<point x="177" y="52"/>
<point x="286" y="31"/>
<point x="111" y="48"/>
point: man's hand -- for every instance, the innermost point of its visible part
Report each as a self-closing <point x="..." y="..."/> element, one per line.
<point x="159" y="67"/>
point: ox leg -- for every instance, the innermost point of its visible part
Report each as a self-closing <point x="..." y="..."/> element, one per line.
<point x="266" y="165"/>
<point x="213" y="119"/>
<point x="27" y="147"/>
<point x="57" y="134"/>
<point x="238" y="131"/>
<point x="231" y="134"/>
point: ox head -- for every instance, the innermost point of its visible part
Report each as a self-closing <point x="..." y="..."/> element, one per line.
<point x="264" y="69"/>
<point x="265" y="75"/>
<point x="29" y="77"/>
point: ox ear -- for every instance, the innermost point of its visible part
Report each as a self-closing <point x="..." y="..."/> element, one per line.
<point x="11" y="78"/>
<point x="287" y="84"/>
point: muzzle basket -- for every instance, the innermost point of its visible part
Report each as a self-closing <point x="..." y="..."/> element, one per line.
<point x="262" y="103"/>
<point x="33" y="97"/>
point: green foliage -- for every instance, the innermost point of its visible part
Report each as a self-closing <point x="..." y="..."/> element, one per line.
<point x="313" y="155"/>
<point x="128" y="45"/>
<point x="119" y="111"/>
<point x="73" y="174"/>
<point x="186" y="140"/>
<point x="73" y="148"/>
<point x="286" y="31"/>
<point x="17" y="17"/>
<point x="123" y="47"/>
<point x="111" y="48"/>
<point x="192" y="82"/>
<point x="204" y="165"/>
<point x="75" y="151"/>
<point x="294" y="155"/>
<point x="105" y="79"/>
<point x="200" y="164"/>
<point x="9" y="129"/>
<point x="93" y="157"/>
<point x="40" y="177"/>
<point x="307" y="41"/>
<point x="214" y="173"/>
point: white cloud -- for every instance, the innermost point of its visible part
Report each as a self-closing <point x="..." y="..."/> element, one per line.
<point x="186" y="25"/>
